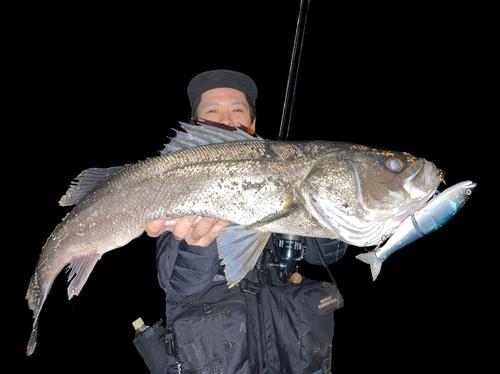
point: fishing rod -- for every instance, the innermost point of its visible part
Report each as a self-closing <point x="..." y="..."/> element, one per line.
<point x="293" y="70"/>
<point x="291" y="244"/>
<point x="290" y="248"/>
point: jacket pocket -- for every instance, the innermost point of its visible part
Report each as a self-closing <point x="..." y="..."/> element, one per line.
<point x="306" y="327"/>
<point x="215" y="337"/>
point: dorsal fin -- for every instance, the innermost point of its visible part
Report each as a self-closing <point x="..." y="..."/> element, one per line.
<point x="194" y="135"/>
<point x="204" y="134"/>
<point x="86" y="181"/>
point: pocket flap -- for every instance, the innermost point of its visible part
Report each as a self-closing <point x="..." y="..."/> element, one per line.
<point x="325" y="299"/>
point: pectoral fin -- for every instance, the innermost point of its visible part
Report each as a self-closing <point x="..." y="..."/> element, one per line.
<point x="239" y="250"/>
<point x="287" y="210"/>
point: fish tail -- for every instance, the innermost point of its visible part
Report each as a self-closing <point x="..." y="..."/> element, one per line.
<point x="38" y="290"/>
<point x="374" y="262"/>
<point x="36" y="297"/>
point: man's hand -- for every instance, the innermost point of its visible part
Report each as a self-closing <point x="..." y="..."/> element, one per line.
<point x="202" y="234"/>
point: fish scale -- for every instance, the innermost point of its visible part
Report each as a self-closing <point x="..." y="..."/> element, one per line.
<point x="317" y="188"/>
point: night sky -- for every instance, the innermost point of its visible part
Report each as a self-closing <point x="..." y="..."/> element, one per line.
<point x="101" y="84"/>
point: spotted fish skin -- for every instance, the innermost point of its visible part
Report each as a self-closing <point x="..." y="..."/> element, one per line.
<point x="316" y="188"/>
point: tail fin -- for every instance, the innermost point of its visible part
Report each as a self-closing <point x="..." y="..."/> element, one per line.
<point x="41" y="282"/>
<point x="374" y="262"/>
<point x="36" y="297"/>
<point x="33" y="338"/>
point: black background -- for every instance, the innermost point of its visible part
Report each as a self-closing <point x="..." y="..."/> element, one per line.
<point x="97" y="84"/>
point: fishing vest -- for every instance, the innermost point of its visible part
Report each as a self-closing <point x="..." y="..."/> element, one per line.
<point x="256" y="328"/>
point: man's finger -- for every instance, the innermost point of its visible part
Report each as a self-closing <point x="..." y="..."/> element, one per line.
<point x="202" y="228"/>
<point x="220" y="224"/>
<point x="183" y="226"/>
<point x="155" y="228"/>
<point x="209" y="236"/>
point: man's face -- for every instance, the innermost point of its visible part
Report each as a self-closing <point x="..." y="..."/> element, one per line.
<point x="227" y="106"/>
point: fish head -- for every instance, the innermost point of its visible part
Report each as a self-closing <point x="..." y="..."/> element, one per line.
<point x="363" y="193"/>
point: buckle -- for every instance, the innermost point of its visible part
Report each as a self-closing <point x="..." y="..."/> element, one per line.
<point x="247" y="286"/>
<point x="170" y="346"/>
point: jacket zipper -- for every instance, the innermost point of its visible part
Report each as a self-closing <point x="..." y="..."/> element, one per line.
<point x="254" y="289"/>
<point x="260" y="316"/>
<point x="209" y="305"/>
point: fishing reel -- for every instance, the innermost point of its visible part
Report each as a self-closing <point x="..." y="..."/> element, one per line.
<point x="288" y="249"/>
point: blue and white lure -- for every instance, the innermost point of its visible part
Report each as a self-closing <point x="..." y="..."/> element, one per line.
<point x="437" y="212"/>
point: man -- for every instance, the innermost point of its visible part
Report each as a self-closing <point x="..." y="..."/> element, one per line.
<point x="187" y="257"/>
<point x="225" y="105"/>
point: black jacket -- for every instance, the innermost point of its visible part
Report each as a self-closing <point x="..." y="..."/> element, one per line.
<point x="184" y="270"/>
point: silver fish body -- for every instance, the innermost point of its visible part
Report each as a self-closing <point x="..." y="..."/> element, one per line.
<point x="436" y="213"/>
<point x="321" y="189"/>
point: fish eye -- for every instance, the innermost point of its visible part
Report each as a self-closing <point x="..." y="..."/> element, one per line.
<point x="394" y="164"/>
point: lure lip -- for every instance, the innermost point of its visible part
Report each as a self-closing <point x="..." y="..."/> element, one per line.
<point x="443" y="207"/>
<point x="458" y="193"/>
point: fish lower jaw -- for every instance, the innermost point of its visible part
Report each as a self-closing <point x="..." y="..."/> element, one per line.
<point x="360" y="240"/>
<point x="350" y="228"/>
<point x="375" y="227"/>
<point x="364" y="234"/>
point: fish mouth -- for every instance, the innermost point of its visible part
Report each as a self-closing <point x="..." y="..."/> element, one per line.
<point x="424" y="182"/>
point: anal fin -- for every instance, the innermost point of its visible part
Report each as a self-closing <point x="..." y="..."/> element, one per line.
<point x="239" y="250"/>
<point x="80" y="267"/>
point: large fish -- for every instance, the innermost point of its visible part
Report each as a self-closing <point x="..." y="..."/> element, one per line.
<point x="346" y="191"/>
